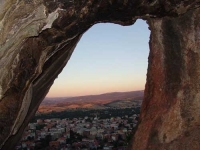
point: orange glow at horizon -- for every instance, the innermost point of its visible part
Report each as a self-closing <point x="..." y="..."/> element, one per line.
<point x="59" y="90"/>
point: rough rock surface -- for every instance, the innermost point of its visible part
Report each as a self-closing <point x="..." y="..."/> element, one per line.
<point x="39" y="36"/>
<point x="170" y="115"/>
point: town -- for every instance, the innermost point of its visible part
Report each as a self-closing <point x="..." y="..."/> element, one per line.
<point x="91" y="132"/>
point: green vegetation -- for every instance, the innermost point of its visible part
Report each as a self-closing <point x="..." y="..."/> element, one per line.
<point x="81" y="113"/>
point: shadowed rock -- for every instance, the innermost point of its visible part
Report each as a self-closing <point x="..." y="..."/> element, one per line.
<point x="38" y="38"/>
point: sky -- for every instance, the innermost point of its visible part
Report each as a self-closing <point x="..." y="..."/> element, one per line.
<point x="108" y="58"/>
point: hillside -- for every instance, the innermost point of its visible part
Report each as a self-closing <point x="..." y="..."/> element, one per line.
<point x="102" y="101"/>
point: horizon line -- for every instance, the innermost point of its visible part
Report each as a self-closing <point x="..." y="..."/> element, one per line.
<point x="92" y="94"/>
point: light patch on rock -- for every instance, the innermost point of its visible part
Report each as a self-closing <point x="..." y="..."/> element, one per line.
<point x="21" y="29"/>
<point x="181" y="9"/>
<point x="51" y="18"/>
<point x="26" y="26"/>
<point x="1" y="25"/>
<point x="84" y="10"/>
<point x="23" y="111"/>
<point x="3" y="6"/>
<point x="172" y="125"/>
<point x="153" y="3"/>
<point x="156" y="28"/>
<point x="1" y="92"/>
<point x="180" y="94"/>
<point x="195" y="111"/>
<point x="60" y="46"/>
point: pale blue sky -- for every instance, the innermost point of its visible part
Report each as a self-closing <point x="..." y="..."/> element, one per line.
<point x="108" y="58"/>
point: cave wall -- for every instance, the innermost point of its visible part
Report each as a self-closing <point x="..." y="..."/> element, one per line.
<point x="39" y="36"/>
<point x="170" y="115"/>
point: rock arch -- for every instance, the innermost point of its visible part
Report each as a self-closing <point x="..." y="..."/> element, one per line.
<point x="39" y="36"/>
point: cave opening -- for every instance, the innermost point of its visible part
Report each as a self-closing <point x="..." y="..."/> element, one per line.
<point x="107" y="54"/>
<point x="38" y="38"/>
<point x="109" y="59"/>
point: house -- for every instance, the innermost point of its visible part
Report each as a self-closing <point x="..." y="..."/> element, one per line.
<point x="47" y="120"/>
<point x="107" y="136"/>
<point x="62" y="140"/>
<point x="114" y="137"/>
<point x="61" y="130"/>
<point x="107" y="148"/>
<point x="67" y="135"/>
<point x="124" y="130"/>
<point x="93" y="131"/>
<point x="55" y="144"/>
<point x="39" y="121"/>
<point x="80" y="131"/>
<point x="55" y="135"/>
<point x="86" y="132"/>
<point x="28" y="145"/>
<point x="43" y="134"/>
<point x="32" y="126"/>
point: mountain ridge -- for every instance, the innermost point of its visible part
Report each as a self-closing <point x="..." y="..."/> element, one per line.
<point x="100" y="101"/>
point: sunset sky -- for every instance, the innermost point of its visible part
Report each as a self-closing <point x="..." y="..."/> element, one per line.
<point x="108" y="58"/>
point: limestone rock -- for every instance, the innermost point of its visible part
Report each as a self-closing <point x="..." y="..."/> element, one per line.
<point x="39" y="36"/>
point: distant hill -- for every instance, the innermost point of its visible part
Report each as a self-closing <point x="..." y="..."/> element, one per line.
<point x="102" y="101"/>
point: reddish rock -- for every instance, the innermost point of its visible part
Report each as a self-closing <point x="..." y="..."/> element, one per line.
<point x="170" y="114"/>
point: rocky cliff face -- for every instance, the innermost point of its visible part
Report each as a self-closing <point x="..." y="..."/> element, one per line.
<point x="170" y="115"/>
<point x="39" y="36"/>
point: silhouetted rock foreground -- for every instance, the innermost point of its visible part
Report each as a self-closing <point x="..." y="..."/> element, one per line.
<point x="37" y="38"/>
